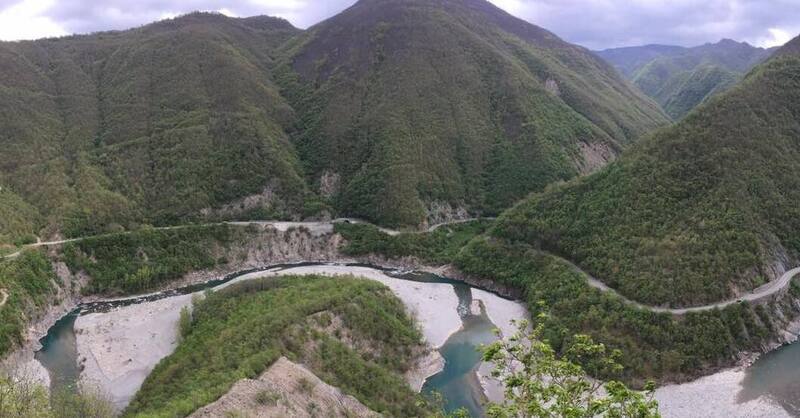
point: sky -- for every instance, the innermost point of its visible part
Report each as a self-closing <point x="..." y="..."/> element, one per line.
<point x="596" y="24"/>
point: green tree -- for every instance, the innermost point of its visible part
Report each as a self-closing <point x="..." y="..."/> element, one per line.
<point x="540" y="383"/>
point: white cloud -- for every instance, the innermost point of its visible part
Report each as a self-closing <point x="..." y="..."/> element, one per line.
<point x="511" y="6"/>
<point x="27" y="20"/>
<point x="776" y="37"/>
<point x="227" y="12"/>
<point x="593" y="23"/>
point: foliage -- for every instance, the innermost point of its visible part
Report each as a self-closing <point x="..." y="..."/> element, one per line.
<point x="18" y="219"/>
<point x="28" y="281"/>
<point x="21" y="397"/>
<point x="439" y="246"/>
<point x="238" y="332"/>
<point x="540" y="384"/>
<point x="400" y="129"/>
<point x="695" y="211"/>
<point x="133" y="262"/>
<point x="154" y="124"/>
<point x="654" y="345"/>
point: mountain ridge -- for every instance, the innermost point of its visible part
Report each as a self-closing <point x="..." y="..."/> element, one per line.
<point x="681" y="78"/>
<point x="704" y="205"/>
<point x="206" y="116"/>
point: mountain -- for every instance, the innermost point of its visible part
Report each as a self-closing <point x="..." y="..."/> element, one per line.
<point x="700" y="212"/>
<point x="628" y="60"/>
<point x="392" y="111"/>
<point x="153" y="124"/>
<point x="680" y="78"/>
<point x="409" y="106"/>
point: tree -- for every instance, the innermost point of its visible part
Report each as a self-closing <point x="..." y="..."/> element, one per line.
<point x="539" y="383"/>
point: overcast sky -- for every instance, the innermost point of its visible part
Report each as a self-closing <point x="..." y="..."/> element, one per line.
<point x="593" y="23"/>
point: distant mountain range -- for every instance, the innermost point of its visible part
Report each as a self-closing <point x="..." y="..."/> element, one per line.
<point x="679" y="78"/>
<point x="395" y="111"/>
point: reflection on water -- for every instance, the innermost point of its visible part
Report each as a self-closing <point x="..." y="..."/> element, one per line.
<point x="775" y="375"/>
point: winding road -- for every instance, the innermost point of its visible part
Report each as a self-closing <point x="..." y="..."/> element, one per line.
<point x="755" y="296"/>
<point x="320" y="228"/>
<point x="314" y="227"/>
<point x="3" y="297"/>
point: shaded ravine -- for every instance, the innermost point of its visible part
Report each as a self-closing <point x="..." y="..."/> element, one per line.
<point x="458" y="382"/>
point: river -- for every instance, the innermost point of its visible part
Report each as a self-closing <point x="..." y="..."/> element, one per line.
<point x="449" y="320"/>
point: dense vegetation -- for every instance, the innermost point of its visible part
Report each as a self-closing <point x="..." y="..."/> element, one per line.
<point x="125" y="263"/>
<point x="192" y="117"/>
<point x="26" y="284"/>
<point x="148" y="125"/>
<point x="22" y="398"/>
<point x="437" y="247"/>
<point x="697" y="213"/>
<point x="653" y="345"/>
<point x="382" y="111"/>
<point x="680" y="79"/>
<point x="238" y="332"/>
<point x="19" y="221"/>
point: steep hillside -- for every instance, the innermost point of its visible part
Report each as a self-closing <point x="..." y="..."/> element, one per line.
<point x="19" y="221"/>
<point x="391" y="111"/>
<point x="681" y="78"/>
<point x="405" y="105"/>
<point x="152" y="124"/>
<point x="687" y="90"/>
<point x="699" y="212"/>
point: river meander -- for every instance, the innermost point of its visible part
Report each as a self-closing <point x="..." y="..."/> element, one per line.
<point x="449" y="320"/>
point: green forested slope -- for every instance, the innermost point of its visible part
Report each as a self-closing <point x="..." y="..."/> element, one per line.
<point x="238" y="332"/>
<point x="686" y="90"/>
<point x="151" y="124"/>
<point x="19" y="221"/>
<point x="397" y="106"/>
<point x="412" y="102"/>
<point x="680" y="79"/>
<point x="697" y="213"/>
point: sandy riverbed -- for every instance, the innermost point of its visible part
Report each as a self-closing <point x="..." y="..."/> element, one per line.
<point x="120" y="348"/>
<point x="714" y="396"/>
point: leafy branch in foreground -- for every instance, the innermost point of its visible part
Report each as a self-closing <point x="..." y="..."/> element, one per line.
<point x="538" y="383"/>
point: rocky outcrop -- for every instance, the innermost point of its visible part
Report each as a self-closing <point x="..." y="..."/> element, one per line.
<point x="594" y="156"/>
<point x="286" y="389"/>
<point x="443" y="212"/>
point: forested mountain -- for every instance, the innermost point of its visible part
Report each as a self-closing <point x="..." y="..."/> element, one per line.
<point x="151" y="124"/>
<point x="406" y="103"/>
<point x="681" y="78"/>
<point x="385" y="111"/>
<point x="699" y="212"/>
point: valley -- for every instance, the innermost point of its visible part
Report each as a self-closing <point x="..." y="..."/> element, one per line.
<point x="411" y="208"/>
